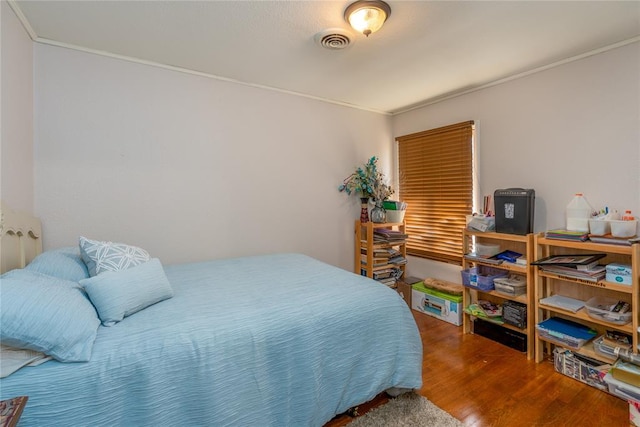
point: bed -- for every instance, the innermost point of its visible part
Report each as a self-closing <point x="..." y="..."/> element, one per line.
<point x="282" y="340"/>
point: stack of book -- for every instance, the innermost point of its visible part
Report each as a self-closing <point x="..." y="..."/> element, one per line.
<point x="609" y="239"/>
<point x="487" y="310"/>
<point x="561" y="234"/>
<point x="383" y="256"/>
<point x="379" y="260"/>
<point x="386" y="258"/>
<point x="396" y="258"/>
<point x="389" y="276"/>
<point x="392" y="237"/>
<point x="580" y="266"/>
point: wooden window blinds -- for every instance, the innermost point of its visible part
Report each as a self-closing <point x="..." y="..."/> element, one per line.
<point x="436" y="181"/>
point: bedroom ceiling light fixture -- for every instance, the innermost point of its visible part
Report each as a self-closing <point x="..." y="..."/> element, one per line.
<point x="367" y="17"/>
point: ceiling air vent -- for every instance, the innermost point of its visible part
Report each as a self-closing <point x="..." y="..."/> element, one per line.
<point x="333" y="38"/>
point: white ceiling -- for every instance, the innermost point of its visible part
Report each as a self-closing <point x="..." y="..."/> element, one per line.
<point x="426" y="51"/>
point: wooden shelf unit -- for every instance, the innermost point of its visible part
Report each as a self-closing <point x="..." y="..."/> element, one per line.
<point x="547" y="284"/>
<point x="518" y="243"/>
<point x="364" y="240"/>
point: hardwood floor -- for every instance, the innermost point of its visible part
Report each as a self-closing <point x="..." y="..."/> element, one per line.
<point x="484" y="383"/>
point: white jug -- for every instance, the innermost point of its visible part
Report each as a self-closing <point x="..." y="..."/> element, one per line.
<point x="578" y="213"/>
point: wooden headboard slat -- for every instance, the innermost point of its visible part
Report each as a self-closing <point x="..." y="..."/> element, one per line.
<point x="20" y="238"/>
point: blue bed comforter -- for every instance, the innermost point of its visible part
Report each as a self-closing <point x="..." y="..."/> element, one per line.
<point x="282" y="340"/>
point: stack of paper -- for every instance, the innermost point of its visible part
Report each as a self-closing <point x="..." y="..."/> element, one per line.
<point x="563" y="302"/>
<point x="570" y="334"/>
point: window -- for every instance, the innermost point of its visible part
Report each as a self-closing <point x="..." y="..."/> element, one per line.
<point x="436" y="181"/>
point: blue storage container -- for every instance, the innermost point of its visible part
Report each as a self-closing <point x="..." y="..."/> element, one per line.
<point x="482" y="277"/>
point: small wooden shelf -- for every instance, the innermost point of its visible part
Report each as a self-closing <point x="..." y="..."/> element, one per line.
<point x="364" y="241"/>
<point x="547" y="284"/>
<point x="581" y="315"/>
<point x="515" y="242"/>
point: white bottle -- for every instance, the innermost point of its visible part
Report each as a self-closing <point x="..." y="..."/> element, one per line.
<point x="627" y="216"/>
<point x="578" y="213"/>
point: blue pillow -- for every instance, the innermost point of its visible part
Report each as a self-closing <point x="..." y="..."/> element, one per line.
<point x="46" y="314"/>
<point x="118" y="294"/>
<point x="64" y="263"/>
<point x="108" y="256"/>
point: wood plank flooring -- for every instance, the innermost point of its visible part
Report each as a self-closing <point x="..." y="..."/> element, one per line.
<point x="484" y="383"/>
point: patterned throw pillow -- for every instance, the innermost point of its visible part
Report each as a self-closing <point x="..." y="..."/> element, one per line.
<point x="109" y="256"/>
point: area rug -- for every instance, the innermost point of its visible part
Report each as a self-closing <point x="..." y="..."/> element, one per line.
<point x="407" y="410"/>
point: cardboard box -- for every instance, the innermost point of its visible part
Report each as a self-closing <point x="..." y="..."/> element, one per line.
<point x="619" y="273"/>
<point x="437" y="304"/>
<point x="404" y="289"/>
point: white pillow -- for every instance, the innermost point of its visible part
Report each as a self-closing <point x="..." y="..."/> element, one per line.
<point x="108" y="256"/>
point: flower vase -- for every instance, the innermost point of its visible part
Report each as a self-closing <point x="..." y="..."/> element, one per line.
<point x="364" y="209"/>
<point x="378" y="213"/>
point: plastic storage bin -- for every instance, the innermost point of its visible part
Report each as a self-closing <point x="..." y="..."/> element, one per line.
<point x="598" y="308"/>
<point x="626" y="372"/>
<point x="566" y="332"/>
<point x="623" y="228"/>
<point x="486" y="249"/>
<point x="621" y="389"/>
<point x="511" y="286"/>
<point x="599" y="227"/>
<point x="579" y="367"/>
<point x="481" y="277"/>
<point x="604" y="350"/>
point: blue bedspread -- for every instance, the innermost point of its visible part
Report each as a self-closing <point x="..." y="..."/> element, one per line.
<point x="281" y="340"/>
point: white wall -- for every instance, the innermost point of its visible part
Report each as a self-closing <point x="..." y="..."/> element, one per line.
<point x="573" y="128"/>
<point x="193" y="168"/>
<point x="16" y="113"/>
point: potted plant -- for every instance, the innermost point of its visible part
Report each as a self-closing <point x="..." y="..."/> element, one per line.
<point x="369" y="183"/>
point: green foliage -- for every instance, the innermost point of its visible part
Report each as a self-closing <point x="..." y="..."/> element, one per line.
<point x="367" y="181"/>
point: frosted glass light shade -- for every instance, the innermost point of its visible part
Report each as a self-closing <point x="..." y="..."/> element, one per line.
<point x="367" y="17"/>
